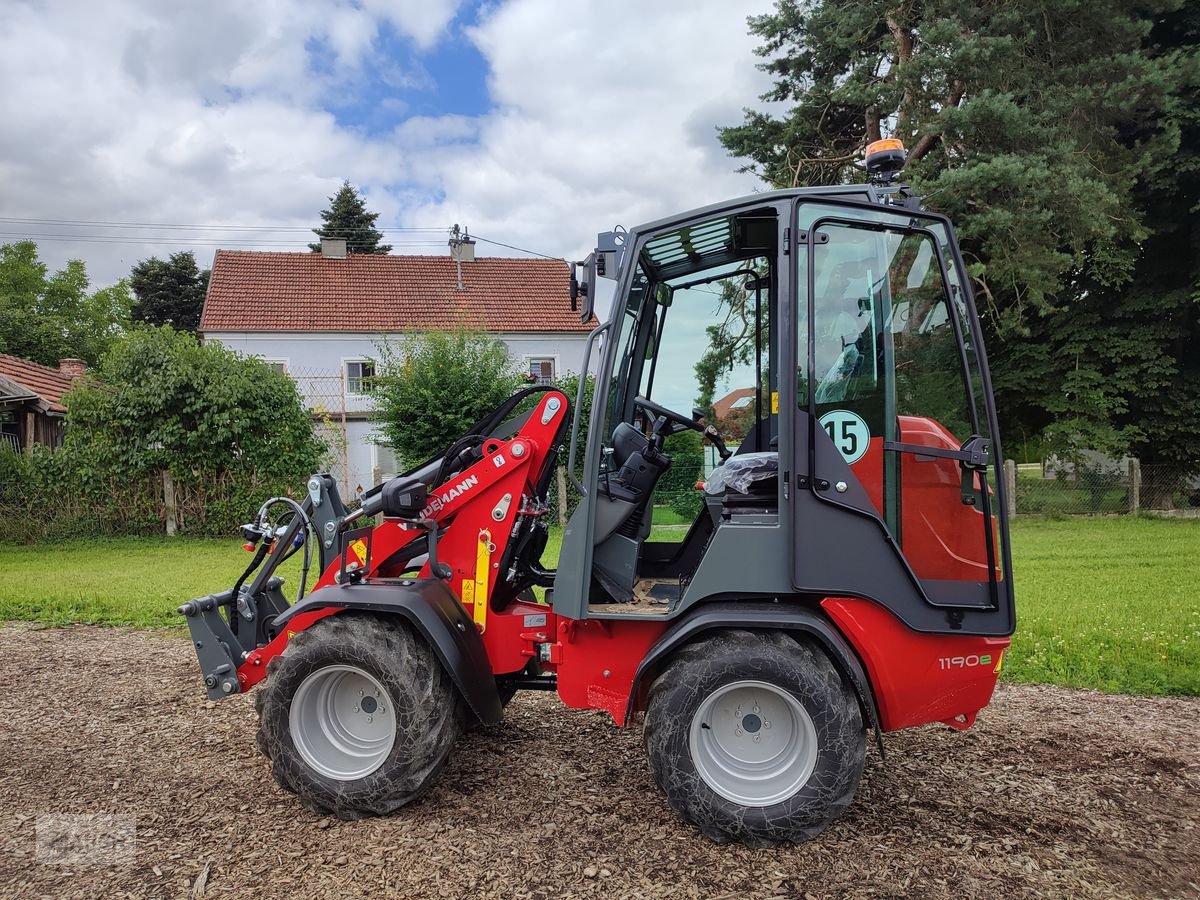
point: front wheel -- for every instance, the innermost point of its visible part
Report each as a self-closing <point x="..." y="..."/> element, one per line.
<point x="755" y="737"/>
<point x="358" y="716"/>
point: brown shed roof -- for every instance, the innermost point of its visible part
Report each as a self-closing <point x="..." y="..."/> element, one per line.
<point x="254" y="291"/>
<point x="44" y="381"/>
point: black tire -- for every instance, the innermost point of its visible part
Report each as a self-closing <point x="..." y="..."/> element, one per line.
<point x="794" y="665"/>
<point x="424" y="700"/>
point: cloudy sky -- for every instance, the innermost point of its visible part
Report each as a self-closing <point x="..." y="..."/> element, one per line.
<point x="536" y="123"/>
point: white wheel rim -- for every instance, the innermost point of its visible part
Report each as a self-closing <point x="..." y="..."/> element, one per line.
<point x="753" y="743"/>
<point x="342" y="723"/>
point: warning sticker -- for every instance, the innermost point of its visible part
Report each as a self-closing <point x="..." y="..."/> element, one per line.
<point x="360" y="550"/>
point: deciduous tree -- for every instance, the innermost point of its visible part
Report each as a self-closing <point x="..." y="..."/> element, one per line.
<point x="431" y="388"/>
<point x="46" y="317"/>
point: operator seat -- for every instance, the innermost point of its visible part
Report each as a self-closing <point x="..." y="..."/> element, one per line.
<point x="745" y="482"/>
<point x="627" y="485"/>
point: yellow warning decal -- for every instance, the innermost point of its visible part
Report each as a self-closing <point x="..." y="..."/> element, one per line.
<point x="483" y="566"/>
<point x="360" y="550"/>
<point x="999" y="663"/>
<point x="774" y="402"/>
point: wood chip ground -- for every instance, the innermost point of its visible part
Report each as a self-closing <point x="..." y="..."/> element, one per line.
<point x="1054" y="793"/>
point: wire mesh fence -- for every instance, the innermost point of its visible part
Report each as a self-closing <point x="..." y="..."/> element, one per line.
<point x="333" y="405"/>
<point x="1098" y="486"/>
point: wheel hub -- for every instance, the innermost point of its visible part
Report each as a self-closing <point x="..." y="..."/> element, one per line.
<point x="753" y="743"/>
<point x="339" y="722"/>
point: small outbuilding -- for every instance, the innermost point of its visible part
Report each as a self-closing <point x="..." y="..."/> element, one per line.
<point x="31" y="408"/>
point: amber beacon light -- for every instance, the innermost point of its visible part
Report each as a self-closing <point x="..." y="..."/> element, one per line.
<point x="884" y="158"/>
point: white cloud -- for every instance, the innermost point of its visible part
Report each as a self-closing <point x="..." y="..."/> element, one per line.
<point x="142" y="111"/>
<point x="606" y="113"/>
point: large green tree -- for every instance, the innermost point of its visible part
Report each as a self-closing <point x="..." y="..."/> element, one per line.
<point x="347" y="217"/>
<point x="47" y="317"/>
<point x="1047" y="132"/>
<point x="169" y="292"/>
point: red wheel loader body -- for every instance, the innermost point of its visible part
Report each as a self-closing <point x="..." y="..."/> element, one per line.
<point x="859" y="528"/>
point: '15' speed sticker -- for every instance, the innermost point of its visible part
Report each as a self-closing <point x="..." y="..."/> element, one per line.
<point x="848" y="432"/>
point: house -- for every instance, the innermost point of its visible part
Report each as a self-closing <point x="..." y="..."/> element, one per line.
<point x="738" y="399"/>
<point x="31" y="409"/>
<point x="320" y="317"/>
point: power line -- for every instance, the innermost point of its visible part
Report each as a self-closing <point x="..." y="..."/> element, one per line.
<point x="185" y="241"/>
<point x="411" y="232"/>
<point x="518" y="249"/>
<point x="85" y="223"/>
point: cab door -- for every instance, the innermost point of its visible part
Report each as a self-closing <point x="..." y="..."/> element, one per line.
<point x="894" y="424"/>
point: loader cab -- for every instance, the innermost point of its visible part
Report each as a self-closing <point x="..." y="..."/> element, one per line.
<point x="864" y="455"/>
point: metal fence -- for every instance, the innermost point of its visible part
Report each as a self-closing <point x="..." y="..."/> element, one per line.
<point x="325" y="393"/>
<point x="1089" y="489"/>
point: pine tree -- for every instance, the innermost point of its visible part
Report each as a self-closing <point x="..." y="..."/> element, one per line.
<point x="1058" y="144"/>
<point x="347" y="217"/>
<point x="169" y="292"/>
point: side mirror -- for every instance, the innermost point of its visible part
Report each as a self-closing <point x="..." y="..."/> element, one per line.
<point x="583" y="287"/>
<point x="404" y="498"/>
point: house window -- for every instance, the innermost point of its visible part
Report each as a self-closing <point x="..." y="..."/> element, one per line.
<point x="360" y="375"/>
<point x="541" y="369"/>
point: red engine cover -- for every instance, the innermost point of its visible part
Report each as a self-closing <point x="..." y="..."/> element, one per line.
<point x="919" y="678"/>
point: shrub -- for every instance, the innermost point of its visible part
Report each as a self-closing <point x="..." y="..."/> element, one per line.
<point x="229" y="431"/>
<point x="431" y="388"/>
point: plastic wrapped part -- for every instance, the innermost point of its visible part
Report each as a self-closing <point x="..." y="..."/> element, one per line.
<point x="740" y="474"/>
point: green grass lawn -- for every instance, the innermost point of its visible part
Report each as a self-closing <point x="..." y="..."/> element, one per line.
<point x="119" y="581"/>
<point x="1102" y="603"/>
<point x="1108" y="603"/>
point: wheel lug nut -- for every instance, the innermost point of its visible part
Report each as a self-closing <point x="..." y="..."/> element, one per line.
<point x="370" y="719"/>
<point x="356" y="708"/>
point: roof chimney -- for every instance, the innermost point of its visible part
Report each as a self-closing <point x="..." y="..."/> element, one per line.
<point x="333" y="248"/>
<point x="72" y="368"/>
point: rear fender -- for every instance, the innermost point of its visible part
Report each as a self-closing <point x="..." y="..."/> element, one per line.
<point x="757" y="616"/>
<point x="430" y="607"/>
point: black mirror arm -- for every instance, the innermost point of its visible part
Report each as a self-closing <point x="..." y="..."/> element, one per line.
<point x="429" y="526"/>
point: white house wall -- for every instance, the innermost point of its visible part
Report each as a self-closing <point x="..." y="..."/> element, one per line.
<point x="317" y="361"/>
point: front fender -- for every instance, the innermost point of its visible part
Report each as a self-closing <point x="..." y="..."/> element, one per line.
<point x="432" y="609"/>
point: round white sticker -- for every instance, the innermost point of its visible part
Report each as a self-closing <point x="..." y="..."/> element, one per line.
<point x="848" y="432"/>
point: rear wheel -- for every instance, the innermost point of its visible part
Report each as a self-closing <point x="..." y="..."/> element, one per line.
<point x="357" y="716"/>
<point x="755" y="737"/>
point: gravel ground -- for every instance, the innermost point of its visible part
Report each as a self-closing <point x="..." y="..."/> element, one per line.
<point x="1053" y="793"/>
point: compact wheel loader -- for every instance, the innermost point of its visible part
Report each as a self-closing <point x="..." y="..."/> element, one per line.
<point x="846" y="571"/>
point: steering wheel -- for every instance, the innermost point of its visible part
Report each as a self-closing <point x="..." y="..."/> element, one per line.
<point x="679" y="422"/>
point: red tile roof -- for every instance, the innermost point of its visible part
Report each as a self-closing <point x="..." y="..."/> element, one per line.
<point x="726" y="404"/>
<point x="47" y="382"/>
<point x="253" y="291"/>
